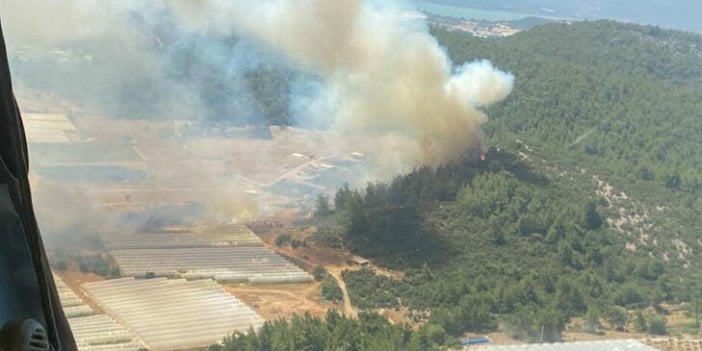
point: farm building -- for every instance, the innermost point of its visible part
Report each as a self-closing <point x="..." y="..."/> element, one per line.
<point x="358" y="261"/>
<point x="601" y="345"/>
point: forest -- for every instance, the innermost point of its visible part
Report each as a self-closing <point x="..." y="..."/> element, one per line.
<point x="490" y="244"/>
<point x="527" y="240"/>
<point x="336" y="332"/>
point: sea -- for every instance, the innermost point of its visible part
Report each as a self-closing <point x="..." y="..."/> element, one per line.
<point x="466" y="12"/>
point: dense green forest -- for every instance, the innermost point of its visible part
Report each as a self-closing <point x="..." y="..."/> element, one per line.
<point x="336" y="332"/>
<point x="639" y="88"/>
<point x="527" y="240"/>
<point x="588" y="204"/>
<point x="623" y="101"/>
<point x="494" y="243"/>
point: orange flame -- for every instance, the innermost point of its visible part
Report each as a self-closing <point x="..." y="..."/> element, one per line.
<point x="482" y="156"/>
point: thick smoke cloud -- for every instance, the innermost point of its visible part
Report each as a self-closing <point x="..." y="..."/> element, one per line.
<point x="385" y="77"/>
<point x="367" y="70"/>
<point x="362" y="68"/>
<point x="133" y="59"/>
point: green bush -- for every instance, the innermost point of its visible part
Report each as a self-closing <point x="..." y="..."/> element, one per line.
<point x="658" y="326"/>
<point x="592" y="321"/>
<point x="336" y="332"/>
<point x="328" y="235"/>
<point x="320" y="273"/>
<point x="331" y="290"/>
<point x="617" y="317"/>
<point x="640" y="322"/>
<point x="282" y="240"/>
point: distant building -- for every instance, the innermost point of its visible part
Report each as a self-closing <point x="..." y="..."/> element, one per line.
<point x="600" y="345"/>
<point x="358" y="261"/>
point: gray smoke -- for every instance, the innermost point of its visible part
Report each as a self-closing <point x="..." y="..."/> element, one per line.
<point x="366" y="70"/>
<point x="133" y="59"/>
<point x="385" y="77"/>
<point x="363" y="68"/>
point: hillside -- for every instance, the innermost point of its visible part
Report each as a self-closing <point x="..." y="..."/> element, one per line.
<point x="620" y="101"/>
<point x="587" y="206"/>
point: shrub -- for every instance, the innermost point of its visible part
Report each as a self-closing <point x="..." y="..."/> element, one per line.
<point x="592" y="321"/>
<point x="282" y="240"/>
<point x="331" y="290"/>
<point x="640" y="322"/>
<point x="658" y="326"/>
<point x="617" y="317"/>
<point x="320" y="273"/>
<point x="328" y="235"/>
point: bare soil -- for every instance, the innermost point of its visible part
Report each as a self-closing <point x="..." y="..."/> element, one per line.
<point x="282" y="301"/>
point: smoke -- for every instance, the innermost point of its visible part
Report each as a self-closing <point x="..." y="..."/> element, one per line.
<point x="385" y="77"/>
<point x="366" y="70"/>
<point x="362" y="68"/>
<point x="481" y="84"/>
<point x="134" y="59"/>
<point x="72" y="219"/>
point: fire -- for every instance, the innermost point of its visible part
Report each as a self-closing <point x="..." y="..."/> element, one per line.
<point x="482" y="156"/>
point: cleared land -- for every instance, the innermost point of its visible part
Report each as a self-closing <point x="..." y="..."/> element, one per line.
<point x="276" y="301"/>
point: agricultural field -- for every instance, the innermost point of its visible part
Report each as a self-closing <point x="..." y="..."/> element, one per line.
<point x="92" y="330"/>
<point x="232" y="254"/>
<point x="173" y="314"/>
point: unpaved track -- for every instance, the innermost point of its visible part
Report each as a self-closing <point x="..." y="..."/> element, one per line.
<point x="297" y="169"/>
<point x="349" y="311"/>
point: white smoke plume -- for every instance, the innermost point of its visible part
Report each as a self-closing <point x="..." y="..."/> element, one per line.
<point x="371" y="68"/>
<point x="385" y="76"/>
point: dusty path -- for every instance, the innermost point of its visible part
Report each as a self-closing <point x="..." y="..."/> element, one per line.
<point x="297" y="169"/>
<point x="349" y="311"/>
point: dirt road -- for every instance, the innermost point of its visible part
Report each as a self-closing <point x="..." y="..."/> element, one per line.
<point x="349" y="311"/>
<point x="297" y="169"/>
